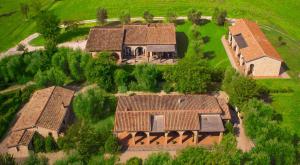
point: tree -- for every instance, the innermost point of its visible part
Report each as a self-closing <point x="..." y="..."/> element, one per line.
<point x="219" y="16"/>
<point x="125" y="17"/>
<point x="7" y="159"/>
<point x="24" y="8"/>
<point x="134" y="161"/>
<point x="93" y="105"/>
<point x="146" y="76"/>
<point x="240" y="88"/>
<point x="82" y="137"/>
<point x="59" y="60"/>
<point x="171" y="16"/>
<point x="50" y="144"/>
<point x="53" y="76"/>
<point x="111" y="145"/>
<point x="122" y="78"/>
<point x="36" y="5"/>
<point x="101" y="15"/>
<point x="38" y="143"/>
<point x="162" y="158"/>
<point x="193" y="155"/>
<point x="34" y="159"/>
<point x="77" y="62"/>
<point x="194" y="16"/>
<point x="48" y="27"/>
<point x="189" y="76"/>
<point x="101" y="71"/>
<point x="148" y="16"/>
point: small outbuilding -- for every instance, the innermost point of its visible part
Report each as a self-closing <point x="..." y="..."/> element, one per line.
<point x="46" y="113"/>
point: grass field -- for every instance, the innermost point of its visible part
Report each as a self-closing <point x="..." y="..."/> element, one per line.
<point x="282" y="15"/>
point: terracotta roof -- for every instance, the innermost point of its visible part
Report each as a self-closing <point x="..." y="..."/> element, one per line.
<point x="22" y="137"/>
<point x="112" y="39"/>
<point x="105" y="39"/>
<point x="151" y="34"/>
<point x="211" y="123"/>
<point x="46" y="108"/>
<point x="180" y="112"/>
<point x="258" y="45"/>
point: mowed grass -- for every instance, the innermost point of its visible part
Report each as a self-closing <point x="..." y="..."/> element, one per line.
<point x="286" y="104"/>
<point x="212" y="49"/>
<point x="14" y="27"/>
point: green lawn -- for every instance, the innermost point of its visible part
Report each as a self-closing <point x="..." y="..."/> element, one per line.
<point x="213" y="49"/>
<point x="14" y="27"/>
<point x="282" y="15"/>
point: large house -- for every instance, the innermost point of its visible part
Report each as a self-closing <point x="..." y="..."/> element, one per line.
<point x="131" y="41"/>
<point x="254" y="53"/>
<point x="170" y="120"/>
<point x="46" y="113"/>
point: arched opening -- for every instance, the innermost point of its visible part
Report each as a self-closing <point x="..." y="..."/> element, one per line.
<point x="239" y="56"/>
<point x="188" y="137"/>
<point x="156" y="138"/>
<point x="251" y="69"/>
<point x="127" y="52"/>
<point x="139" y="51"/>
<point x="173" y="137"/>
<point x="140" y="138"/>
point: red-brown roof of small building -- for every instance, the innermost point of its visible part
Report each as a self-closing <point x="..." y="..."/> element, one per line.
<point x="46" y="108"/>
<point x="258" y="45"/>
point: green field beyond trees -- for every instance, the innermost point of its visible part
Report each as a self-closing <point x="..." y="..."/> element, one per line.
<point x="281" y="15"/>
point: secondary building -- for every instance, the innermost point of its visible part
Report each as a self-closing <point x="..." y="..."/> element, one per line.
<point x="46" y="113"/>
<point x="170" y="120"/>
<point x="132" y="41"/>
<point x="254" y="53"/>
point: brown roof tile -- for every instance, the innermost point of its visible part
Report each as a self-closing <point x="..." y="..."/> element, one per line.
<point x="258" y="45"/>
<point x="46" y="108"/>
<point x="22" y="137"/>
<point x="181" y="112"/>
<point x="112" y="39"/>
<point x="105" y="39"/>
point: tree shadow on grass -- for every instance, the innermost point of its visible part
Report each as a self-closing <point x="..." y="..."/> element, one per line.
<point x="182" y="43"/>
<point x="206" y="39"/>
<point x="209" y="54"/>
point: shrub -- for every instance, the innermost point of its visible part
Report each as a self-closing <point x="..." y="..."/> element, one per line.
<point x="148" y="16"/>
<point x="93" y="105"/>
<point x="189" y="76"/>
<point x="146" y="77"/>
<point x="121" y="78"/>
<point x="194" y="16"/>
<point x="38" y="143"/>
<point x="229" y="127"/>
<point x="111" y="145"/>
<point x="134" y="161"/>
<point x="34" y="159"/>
<point x="101" y="71"/>
<point x="50" y="144"/>
<point x="7" y="159"/>
<point x="125" y="17"/>
<point x="162" y="158"/>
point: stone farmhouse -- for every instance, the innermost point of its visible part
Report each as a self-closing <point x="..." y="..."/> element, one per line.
<point x="254" y="53"/>
<point x="132" y="41"/>
<point x="46" y="113"/>
<point x="170" y="120"/>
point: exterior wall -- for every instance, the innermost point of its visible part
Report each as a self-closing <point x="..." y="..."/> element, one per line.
<point x="133" y="47"/>
<point x="265" y="67"/>
<point x="19" y="151"/>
